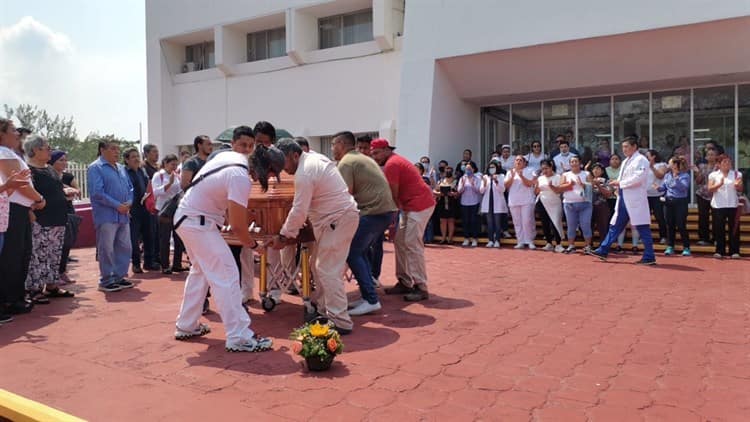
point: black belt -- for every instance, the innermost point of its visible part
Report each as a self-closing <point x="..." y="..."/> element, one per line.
<point x="181" y="219"/>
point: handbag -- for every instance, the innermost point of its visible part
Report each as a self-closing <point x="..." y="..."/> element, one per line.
<point x="149" y="201"/>
<point x="743" y="204"/>
<point x="170" y="208"/>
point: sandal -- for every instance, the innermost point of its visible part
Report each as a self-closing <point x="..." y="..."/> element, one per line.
<point x="40" y="299"/>
<point x="59" y="293"/>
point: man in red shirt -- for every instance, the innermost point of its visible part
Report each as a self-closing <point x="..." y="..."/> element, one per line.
<point x="414" y="198"/>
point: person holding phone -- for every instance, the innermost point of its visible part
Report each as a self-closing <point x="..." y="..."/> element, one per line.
<point x="447" y="205"/>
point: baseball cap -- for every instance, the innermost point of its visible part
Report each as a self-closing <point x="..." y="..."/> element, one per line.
<point x="381" y="143"/>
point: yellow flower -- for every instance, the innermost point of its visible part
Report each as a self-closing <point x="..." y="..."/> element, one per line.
<point x="300" y="338"/>
<point x="318" y="330"/>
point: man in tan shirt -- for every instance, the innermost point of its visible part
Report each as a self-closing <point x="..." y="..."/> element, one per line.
<point x="376" y="210"/>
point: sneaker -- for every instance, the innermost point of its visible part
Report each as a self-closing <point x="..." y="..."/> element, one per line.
<point x="417" y="294"/>
<point x="473" y="243"/>
<point x="112" y="287"/>
<point x="646" y="262"/>
<point x="125" y="284"/>
<point x="669" y="251"/>
<point x="619" y="250"/>
<point x="490" y="244"/>
<point x="356" y="303"/>
<point x="201" y="330"/>
<point x="586" y="250"/>
<point x="166" y="271"/>
<point x="365" y="308"/>
<point x="559" y="249"/>
<point x="548" y="247"/>
<point x="518" y="246"/>
<point x="506" y="235"/>
<point x="686" y="252"/>
<point x="597" y="253"/>
<point x="532" y="246"/>
<point x="736" y="256"/>
<point x="398" y="289"/>
<point x="5" y="318"/>
<point x="465" y="242"/>
<point x="255" y="344"/>
<point x="497" y="244"/>
<point x="663" y="241"/>
<point x="718" y="256"/>
<point x="570" y="249"/>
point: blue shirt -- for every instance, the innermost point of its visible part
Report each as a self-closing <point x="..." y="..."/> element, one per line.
<point x="676" y="187"/>
<point x="109" y="187"/>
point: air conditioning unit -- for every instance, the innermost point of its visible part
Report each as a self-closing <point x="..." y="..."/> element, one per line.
<point x="188" y="67"/>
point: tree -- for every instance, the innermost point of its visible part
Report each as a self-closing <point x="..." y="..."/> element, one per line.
<point x="86" y="150"/>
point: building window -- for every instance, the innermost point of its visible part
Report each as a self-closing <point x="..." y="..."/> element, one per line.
<point x="266" y="44"/>
<point x="743" y="118"/>
<point x="352" y="28"/>
<point x="527" y="126"/>
<point x="594" y="129"/>
<point x="671" y="123"/>
<point x="199" y="56"/>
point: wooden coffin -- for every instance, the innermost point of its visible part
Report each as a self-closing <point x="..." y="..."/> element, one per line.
<point x="268" y="210"/>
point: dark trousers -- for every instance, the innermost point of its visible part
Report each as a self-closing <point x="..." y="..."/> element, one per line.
<point x="704" y="214"/>
<point x="470" y="220"/>
<point x="675" y="213"/>
<point x="140" y="231"/>
<point x="550" y="232"/>
<point x="71" y="235"/>
<point x="375" y="255"/>
<point x="370" y="228"/>
<point x="166" y="230"/>
<point x="615" y="229"/>
<point x="722" y="217"/>
<point x="16" y="254"/>
<point x="657" y="209"/>
<point x="153" y="221"/>
<point x="600" y="218"/>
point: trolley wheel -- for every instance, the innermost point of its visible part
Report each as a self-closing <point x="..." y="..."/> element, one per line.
<point x="268" y="304"/>
<point x="310" y="311"/>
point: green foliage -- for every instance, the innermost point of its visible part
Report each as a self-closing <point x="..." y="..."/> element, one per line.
<point x="316" y="339"/>
<point x="61" y="133"/>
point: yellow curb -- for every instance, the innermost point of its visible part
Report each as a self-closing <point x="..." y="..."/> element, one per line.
<point x="21" y="409"/>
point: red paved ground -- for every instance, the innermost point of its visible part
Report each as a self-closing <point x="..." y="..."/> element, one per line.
<point x="508" y="335"/>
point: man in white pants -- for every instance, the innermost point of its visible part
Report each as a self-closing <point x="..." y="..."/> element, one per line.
<point x="197" y="221"/>
<point x="321" y="194"/>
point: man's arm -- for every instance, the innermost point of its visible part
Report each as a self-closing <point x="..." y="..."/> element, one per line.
<point x="238" y="220"/>
<point x="303" y="190"/>
<point x="186" y="176"/>
<point x="96" y="189"/>
<point x="637" y="177"/>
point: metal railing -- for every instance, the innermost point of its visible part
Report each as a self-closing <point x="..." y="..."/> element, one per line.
<point x="79" y="171"/>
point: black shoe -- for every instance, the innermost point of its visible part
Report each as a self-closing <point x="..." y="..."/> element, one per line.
<point x="180" y="269"/>
<point x="646" y="262"/>
<point x="206" y="309"/>
<point x="417" y="294"/>
<point x="166" y="271"/>
<point x="137" y="269"/>
<point x="125" y="284"/>
<point x="398" y="289"/>
<point x="109" y="288"/>
<point x="4" y="318"/>
<point x="596" y="253"/>
<point x="20" y="307"/>
<point x="72" y="259"/>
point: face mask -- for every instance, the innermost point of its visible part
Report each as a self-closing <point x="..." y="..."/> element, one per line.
<point x="463" y="167"/>
<point x="469" y="171"/>
<point x="492" y="170"/>
<point x="426" y="163"/>
<point x="441" y="168"/>
<point x="448" y="174"/>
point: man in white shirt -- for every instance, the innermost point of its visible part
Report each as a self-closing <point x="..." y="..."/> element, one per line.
<point x="222" y="184"/>
<point x="321" y="195"/>
<point x="562" y="160"/>
<point x="632" y="203"/>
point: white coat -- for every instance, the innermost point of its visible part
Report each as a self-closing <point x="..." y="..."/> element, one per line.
<point x="498" y="198"/>
<point x="633" y="182"/>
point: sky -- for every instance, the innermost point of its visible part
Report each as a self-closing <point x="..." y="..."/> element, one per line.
<point x="84" y="59"/>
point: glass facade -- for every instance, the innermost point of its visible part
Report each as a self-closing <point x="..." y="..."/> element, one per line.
<point x="671" y="122"/>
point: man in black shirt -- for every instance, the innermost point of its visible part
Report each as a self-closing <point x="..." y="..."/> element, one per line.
<point x="461" y="166"/>
<point x="140" y="219"/>
<point x="151" y="165"/>
<point x="203" y="148"/>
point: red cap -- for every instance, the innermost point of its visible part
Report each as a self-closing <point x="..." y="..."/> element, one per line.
<point x="381" y="143"/>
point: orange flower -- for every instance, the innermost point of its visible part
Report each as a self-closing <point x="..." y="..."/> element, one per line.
<point x="332" y="345"/>
<point x="297" y="347"/>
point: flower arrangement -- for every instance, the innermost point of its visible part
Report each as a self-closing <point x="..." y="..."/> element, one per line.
<point x="318" y="343"/>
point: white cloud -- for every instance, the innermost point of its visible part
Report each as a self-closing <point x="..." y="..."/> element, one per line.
<point x="103" y="92"/>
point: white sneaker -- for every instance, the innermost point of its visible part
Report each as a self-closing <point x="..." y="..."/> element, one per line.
<point x="466" y="242"/>
<point x="473" y="243"/>
<point x="497" y="244"/>
<point x="365" y="308"/>
<point x="559" y="249"/>
<point x="490" y="244"/>
<point x="735" y="256"/>
<point x="506" y="235"/>
<point x="201" y="330"/>
<point x="532" y="246"/>
<point x="255" y="344"/>
<point x="356" y="303"/>
<point x="571" y="249"/>
<point x="548" y="247"/>
<point x="518" y="246"/>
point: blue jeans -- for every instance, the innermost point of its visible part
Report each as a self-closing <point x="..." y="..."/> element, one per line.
<point x="371" y="227"/>
<point x="644" y="231"/>
<point x="114" y="251"/>
<point x="494" y="231"/>
<point x="470" y="220"/>
<point x="578" y="214"/>
<point x="2" y="241"/>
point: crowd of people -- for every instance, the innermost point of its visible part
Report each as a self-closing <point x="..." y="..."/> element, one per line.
<point x="561" y="187"/>
<point x="348" y="202"/>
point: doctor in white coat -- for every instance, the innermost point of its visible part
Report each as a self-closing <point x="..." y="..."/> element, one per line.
<point x="632" y="203"/>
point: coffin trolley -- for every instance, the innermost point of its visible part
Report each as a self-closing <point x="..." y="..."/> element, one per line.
<point x="267" y="214"/>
